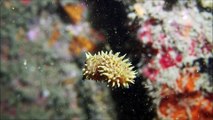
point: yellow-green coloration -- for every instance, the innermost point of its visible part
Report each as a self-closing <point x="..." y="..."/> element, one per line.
<point x="110" y="68"/>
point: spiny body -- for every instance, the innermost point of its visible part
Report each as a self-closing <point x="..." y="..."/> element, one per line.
<point x="110" y="68"/>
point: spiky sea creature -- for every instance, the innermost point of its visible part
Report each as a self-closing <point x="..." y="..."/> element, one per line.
<point x="110" y="68"/>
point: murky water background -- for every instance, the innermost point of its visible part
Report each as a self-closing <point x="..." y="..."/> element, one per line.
<point x="43" y="46"/>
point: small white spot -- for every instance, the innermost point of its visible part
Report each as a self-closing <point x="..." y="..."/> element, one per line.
<point x="25" y="62"/>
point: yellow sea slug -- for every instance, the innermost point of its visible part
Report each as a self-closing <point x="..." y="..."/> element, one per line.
<point x="109" y="68"/>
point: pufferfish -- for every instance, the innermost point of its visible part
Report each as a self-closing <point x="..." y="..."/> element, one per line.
<point x="110" y="68"/>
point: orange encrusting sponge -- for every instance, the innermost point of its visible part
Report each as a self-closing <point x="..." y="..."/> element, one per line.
<point x="110" y="68"/>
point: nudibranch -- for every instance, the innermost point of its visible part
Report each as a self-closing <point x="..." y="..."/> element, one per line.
<point x="109" y="68"/>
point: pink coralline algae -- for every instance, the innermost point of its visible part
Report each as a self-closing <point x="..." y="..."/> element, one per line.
<point x="150" y="72"/>
<point x="174" y="79"/>
<point x="25" y="2"/>
<point x="167" y="60"/>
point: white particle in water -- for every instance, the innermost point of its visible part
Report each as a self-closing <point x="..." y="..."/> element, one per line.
<point x="46" y="93"/>
<point x="25" y="62"/>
